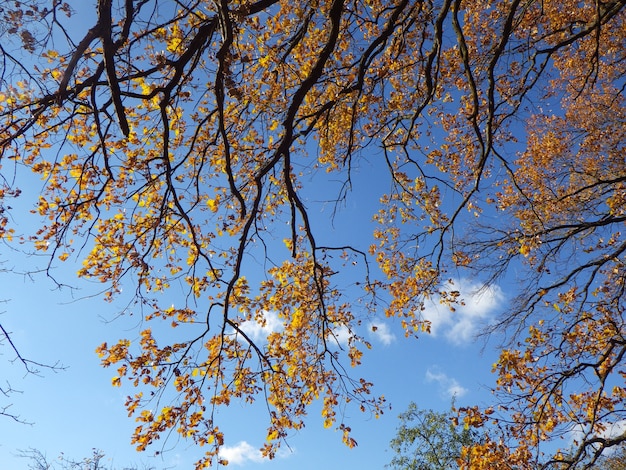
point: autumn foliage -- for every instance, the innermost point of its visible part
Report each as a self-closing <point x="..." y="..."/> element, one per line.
<point x="177" y="141"/>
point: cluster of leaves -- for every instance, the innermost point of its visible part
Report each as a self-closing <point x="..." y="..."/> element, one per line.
<point x="174" y="142"/>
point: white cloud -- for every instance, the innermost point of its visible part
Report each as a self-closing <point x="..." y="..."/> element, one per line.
<point x="381" y="332"/>
<point x="259" y="332"/>
<point x="244" y="453"/>
<point x="612" y="430"/>
<point x="340" y="335"/>
<point x="241" y="453"/>
<point x="449" y="386"/>
<point x="461" y="325"/>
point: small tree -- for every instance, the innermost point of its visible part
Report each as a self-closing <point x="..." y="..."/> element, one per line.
<point x="429" y="440"/>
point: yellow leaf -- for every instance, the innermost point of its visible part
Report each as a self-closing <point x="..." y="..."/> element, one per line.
<point x="213" y="204"/>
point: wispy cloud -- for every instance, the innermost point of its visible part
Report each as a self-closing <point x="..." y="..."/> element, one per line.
<point x="259" y="331"/>
<point x="448" y="386"/>
<point x="241" y="453"/>
<point x="175" y="461"/>
<point x="381" y="332"/>
<point x="461" y="325"/>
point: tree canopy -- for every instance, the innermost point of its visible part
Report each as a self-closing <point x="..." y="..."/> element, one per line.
<point x="428" y="440"/>
<point x="177" y="143"/>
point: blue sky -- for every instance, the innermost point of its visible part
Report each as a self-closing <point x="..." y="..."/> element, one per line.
<point x="77" y="409"/>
